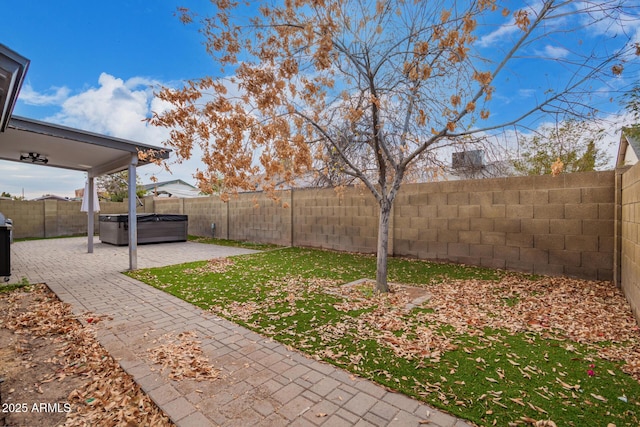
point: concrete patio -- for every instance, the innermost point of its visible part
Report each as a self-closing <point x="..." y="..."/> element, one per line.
<point x="262" y="382"/>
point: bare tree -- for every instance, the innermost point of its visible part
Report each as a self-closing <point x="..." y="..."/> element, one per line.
<point x="370" y="87"/>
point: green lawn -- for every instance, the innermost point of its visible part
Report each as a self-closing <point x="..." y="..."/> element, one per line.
<point x="236" y="243"/>
<point x="487" y="346"/>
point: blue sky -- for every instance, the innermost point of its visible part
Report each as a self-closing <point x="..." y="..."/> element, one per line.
<point x="93" y="65"/>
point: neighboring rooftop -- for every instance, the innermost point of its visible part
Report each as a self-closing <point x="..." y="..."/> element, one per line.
<point x="629" y="148"/>
<point x="52" y="197"/>
<point x="174" y="188"/>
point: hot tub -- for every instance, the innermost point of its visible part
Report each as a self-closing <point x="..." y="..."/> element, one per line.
<point x="152" y="228"/>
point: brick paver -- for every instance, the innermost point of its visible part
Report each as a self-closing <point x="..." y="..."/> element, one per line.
<point x="261" y="382"/>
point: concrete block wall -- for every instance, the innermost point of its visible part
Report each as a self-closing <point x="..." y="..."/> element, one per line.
<point x="202" y="212"/>
<point x="52" y="218"/>
<point x="28" y="217"/>
<point x="148" y="205"/>
<point x="205" y="211"/>
<point x="630" y="237"/>
<point x="167" y="205"/>
<point x="326" y="219"/>
<point x="546" y="225"/>
<point x="258" y="218"/>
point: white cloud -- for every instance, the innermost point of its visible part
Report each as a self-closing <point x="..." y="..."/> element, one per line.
<point x="116" y="107"/>
<point x="119" y="108"/>
<point x="505" y="30"/>
<point x="555" y="52"/>
<point x="607" y="19"/>
<point x="55" y="96"/>
<point x="620" y="22"/>
<point x="499" y="34"/>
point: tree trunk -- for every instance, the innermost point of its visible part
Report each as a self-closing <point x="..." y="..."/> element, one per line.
<point x="383" y="246"/>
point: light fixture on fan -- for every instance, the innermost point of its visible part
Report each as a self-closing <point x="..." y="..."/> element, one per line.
<point x="34" y="158"/>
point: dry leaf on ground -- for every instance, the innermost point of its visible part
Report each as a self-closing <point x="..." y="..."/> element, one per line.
<point x="215" y="265"/>
<point x="108" y="396"/>
<point x="182" y="355"/>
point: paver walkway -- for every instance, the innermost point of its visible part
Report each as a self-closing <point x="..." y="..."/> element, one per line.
<point x="262" y="382"/>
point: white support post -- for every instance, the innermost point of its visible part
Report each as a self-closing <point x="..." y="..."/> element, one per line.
<point x="90" y="224"/>
<point x="133" y="221"/>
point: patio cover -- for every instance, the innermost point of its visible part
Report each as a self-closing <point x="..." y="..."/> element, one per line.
<point x="32" y="141"/>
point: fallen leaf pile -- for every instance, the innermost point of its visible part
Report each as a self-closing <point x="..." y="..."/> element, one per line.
<point x="289" y="289"/>
<point x="587" y="312"/>
<point x="183" y="356"/>
<point x="385" y="319"/>
<point x="109" y="395"/>
<point x="215" y="265"/>
<point x="49" y="316"/>
<point x="583" y="311"/>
